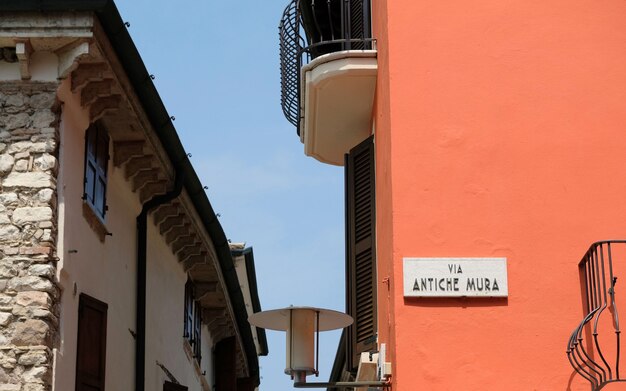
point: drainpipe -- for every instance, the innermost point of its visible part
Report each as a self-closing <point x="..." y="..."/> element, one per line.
<point x="142" y="239"/>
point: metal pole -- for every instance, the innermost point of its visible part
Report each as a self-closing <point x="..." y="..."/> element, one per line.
<point x="317" y="343"/>
<point x="291" y="342"/>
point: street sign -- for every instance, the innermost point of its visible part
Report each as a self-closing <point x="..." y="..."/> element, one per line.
<point x="455" y="277"/>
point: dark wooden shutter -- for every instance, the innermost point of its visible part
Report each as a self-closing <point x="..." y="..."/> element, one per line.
<point x="188" y="319"/>
<point x="169" y="386"/>
<point x="360" y="251"/>
<point x="360" y="22"/>
<point x="90" y="163"/>
<point x="96" y="163"/>
<point x="91" y="349"/>
<point x="356" y="24"/>
<point x="225" y="365"/>
<point x="197" y="332"/>
<point x="102" y="162"/>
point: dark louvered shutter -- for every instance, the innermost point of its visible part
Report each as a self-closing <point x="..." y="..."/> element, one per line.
<point x="102" y="161"/>
<point x="188" y="319"/>
<point x="96" y="163"/>
<point x="225" y="365"/>
<point x="360" y="251"/>
<point x="357" y="24"/>
<point x="197" y="332"/>
<point x="91" y="138"/>
<point x="91" y="347"/>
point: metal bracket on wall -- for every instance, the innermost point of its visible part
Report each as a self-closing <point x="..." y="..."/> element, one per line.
<point x="346" y="384"/>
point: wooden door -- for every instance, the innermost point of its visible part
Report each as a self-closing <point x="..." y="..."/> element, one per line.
<point x="91" y="349"/>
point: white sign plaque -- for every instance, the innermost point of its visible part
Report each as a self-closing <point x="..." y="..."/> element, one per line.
<point x="455" y="277"/>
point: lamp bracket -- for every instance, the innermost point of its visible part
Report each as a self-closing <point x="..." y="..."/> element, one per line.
<point x="344" y="384"/>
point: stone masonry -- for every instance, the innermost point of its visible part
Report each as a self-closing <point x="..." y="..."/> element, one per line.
<point x="29" y="117"/>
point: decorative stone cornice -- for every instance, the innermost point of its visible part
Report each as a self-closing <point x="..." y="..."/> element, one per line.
<point x="66" y="35"/>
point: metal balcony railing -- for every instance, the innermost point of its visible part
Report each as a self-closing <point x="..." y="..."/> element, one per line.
<point x="311" y="28"/>
<point x="594" y="346"/>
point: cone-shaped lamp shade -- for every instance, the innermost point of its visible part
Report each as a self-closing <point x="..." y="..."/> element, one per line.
<point x="300" y="323"/>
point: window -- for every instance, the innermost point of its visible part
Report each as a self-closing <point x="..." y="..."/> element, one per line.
<point x="193" y="322"/>
<point x="360" y="251"/>
<point x="91" y="347"/>
<point x="96" y="162"/>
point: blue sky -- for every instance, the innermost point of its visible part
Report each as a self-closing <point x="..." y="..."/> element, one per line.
<point x="217" y="70"/>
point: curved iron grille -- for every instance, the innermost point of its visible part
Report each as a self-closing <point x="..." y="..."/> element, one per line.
<point x="311" y="28"/>
<point x="589" y="348"/>
<point x="290" y="44"/>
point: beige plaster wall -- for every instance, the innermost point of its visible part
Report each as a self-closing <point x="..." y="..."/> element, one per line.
<point x="107" y="271"/>
<point x="164" y="319"/>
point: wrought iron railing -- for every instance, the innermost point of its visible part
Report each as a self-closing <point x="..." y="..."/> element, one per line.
<point x="594" y="346"/>
<point x="311" y="28"/>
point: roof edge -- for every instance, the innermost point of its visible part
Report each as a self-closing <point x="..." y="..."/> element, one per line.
<point x="57" y="5"/>
<point x="248" y="255"/>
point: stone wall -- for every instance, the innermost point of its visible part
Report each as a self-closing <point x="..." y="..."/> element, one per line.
<point x="29" y="117"/>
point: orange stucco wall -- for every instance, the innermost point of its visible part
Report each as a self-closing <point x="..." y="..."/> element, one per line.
<point x="384" y="243"/>
<point x="500" y="132"/>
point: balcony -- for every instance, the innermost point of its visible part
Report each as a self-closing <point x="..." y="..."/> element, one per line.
<point x="594" y="346"/>
<point x="328" y="71"/>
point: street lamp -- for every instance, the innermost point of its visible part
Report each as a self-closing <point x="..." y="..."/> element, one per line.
<point x="303" y="325"/>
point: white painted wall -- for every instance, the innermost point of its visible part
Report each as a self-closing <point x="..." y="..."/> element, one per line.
<point x="107" y="271"/>
<point x="164" y="319"/>
<point x="9" y="71"/>
<point x="44" y="66"/>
